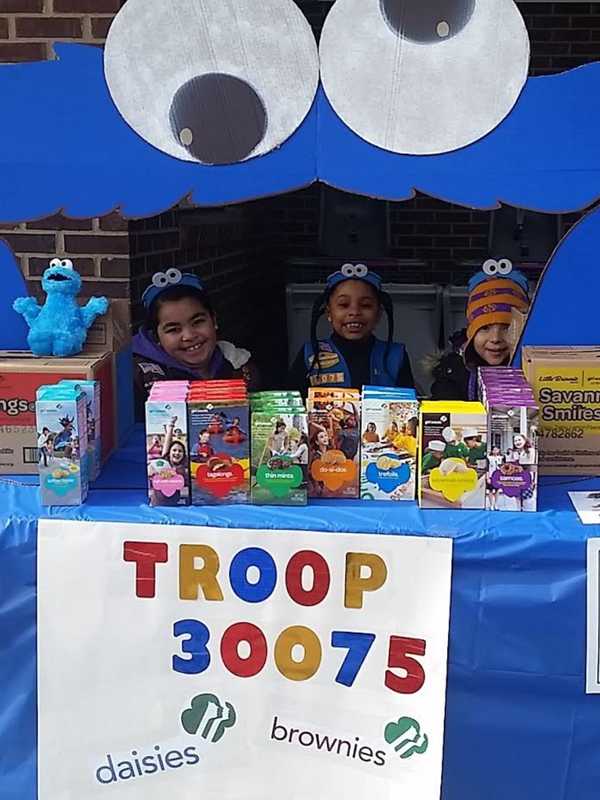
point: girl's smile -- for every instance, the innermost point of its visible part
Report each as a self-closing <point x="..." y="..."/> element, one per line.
<point x="187" y="332"/>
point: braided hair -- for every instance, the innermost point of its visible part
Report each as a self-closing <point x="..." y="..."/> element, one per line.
<point x="319" y="308"/>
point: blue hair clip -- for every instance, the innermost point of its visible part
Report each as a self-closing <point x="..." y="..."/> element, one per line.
<point x="358" y="272"/>
<point x="499" y="269"/>
<point x="167" y="280"/>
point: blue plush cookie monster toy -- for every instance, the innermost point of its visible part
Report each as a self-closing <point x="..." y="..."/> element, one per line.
<point x="60" y="326"/>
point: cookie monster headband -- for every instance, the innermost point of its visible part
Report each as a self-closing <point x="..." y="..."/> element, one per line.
<point x="167" y="280"/>
<point x="359" y="272"/>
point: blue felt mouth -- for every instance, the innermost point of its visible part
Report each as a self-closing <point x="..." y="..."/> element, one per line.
<point x="544" y="156"/>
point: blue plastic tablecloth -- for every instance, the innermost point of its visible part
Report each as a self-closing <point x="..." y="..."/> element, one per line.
<point x="518" y="722"/>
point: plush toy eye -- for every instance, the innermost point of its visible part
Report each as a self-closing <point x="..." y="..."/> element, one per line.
<point x="55" y="262"/>
<point x="160" y="280"/>
<point x="504" y="266"/>
<point x="348" y="270"/>
<point x="423" y="77"/>
<point x="66" y="263"/>
<point x="213" y="82"/>
<point x="173" y="275"/>
<point x="490" y="267"/>
<point x="361" y="270"/>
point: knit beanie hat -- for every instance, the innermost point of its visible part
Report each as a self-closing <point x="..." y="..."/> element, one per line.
<point x="493" y="294"/>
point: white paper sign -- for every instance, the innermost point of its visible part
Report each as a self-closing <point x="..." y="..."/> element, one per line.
<point x="189" y="662"/>
<point x="592" y="682"/>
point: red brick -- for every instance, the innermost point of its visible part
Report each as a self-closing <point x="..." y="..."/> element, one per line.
<point x="113" y="222"/>
<point x="22" y="6"/>
<point x="60" y="223"/>
<point x="30" y="51"/>
<point x="100" y="26"/>
<point x="112" y="289"/>
<point x="115" y="268"/>
<point x="3" y="29"/>
<point x="49" y="27"/>
<point x="31" y="242"/>
<point x="119" y="245"/>
<point x="88" y="6"/>
<point x="85" y="266"/>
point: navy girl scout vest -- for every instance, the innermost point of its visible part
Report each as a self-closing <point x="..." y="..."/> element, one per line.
<point x="334" y="370"/>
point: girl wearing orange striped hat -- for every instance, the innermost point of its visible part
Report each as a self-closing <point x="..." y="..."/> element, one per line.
<point x="493" y="294"/>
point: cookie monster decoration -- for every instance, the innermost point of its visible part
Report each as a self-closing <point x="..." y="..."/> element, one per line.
<point x="60" y="326"/>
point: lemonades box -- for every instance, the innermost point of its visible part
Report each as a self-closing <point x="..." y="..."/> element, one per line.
<point x="452" y="455"/>
<point x="91" y="389"/>
<point x="167" y="451"/>
<point x="334" y="443"/>
<point x="219" y="451"/>
<point x="389" y="442"/>
<point x="566" y="385"/>
<point x="62" y="448"/>
<point x="279" y="451"/>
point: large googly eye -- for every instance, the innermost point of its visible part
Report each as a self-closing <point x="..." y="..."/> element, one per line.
<point x="212" y="81"/>
<point x="56" y="262"/>
<point x="348" y="270"/>
<point x="504" y="266"/>
<point x="66" y="263"/>
<point x="160" y="280"/>
<point x="361" y="270"/>
<point x="173" y="275"/>
<point x="490" y="267"/>
<point x="421" y="77"/>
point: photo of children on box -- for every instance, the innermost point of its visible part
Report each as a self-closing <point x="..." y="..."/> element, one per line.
<point x="219" y="450"/>
<point x="388" y="443"/>
<point x="453" y="457"/>
<point x="279" y="451"/>
<point x="62" y="448"/>
<point x="167" y="454"/>
<point x="334" y="442"/>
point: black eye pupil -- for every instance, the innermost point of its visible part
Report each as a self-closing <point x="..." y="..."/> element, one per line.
<point x="218" y="118"/>
<point x="427" y="21"/>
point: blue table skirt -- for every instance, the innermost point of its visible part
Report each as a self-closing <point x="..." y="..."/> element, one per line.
<point x="518" y="722"/>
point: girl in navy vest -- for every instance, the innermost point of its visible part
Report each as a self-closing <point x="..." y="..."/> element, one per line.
<point x="352" y="356"/>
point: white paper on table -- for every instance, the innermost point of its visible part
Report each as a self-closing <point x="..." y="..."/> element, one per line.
<point x="587" y="505"/>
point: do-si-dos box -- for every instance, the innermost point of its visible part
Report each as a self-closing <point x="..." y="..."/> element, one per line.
<point x="21" y="375"/>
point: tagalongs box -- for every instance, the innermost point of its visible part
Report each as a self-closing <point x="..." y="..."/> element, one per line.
<point x="21" y="375"/>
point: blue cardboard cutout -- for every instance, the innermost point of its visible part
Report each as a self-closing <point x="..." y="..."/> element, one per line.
<point x="14" y="327"/>
<point x="565" y="307"/>
<point x="544" y="156"/>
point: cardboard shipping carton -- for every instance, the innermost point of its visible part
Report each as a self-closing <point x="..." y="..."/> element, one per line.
<point x="21" y="374"/>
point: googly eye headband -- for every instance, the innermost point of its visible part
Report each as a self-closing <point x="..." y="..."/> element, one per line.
<point x="167" y="280"/>
<point x="359" y="272"/>
<point x="499" y="269"/>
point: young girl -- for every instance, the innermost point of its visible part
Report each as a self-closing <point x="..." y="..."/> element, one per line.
<point x="493" y="294"/>
<point x="178" y="339"/>
<point x="352" y="356"/>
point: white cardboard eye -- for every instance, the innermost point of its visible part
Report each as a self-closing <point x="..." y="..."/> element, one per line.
<point x="66" y="263"/>
<point x="173" y="275"/>
<point x="55" y="262"/>
<point x="505" y="266"/>
<point x="490" y="267"/>
<point x="213" y="81"/>
<point x="360" y="270"/>
<point x="348" y="270"/>
<point x="159" y="279"/>
<point x="418" y="91"/>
